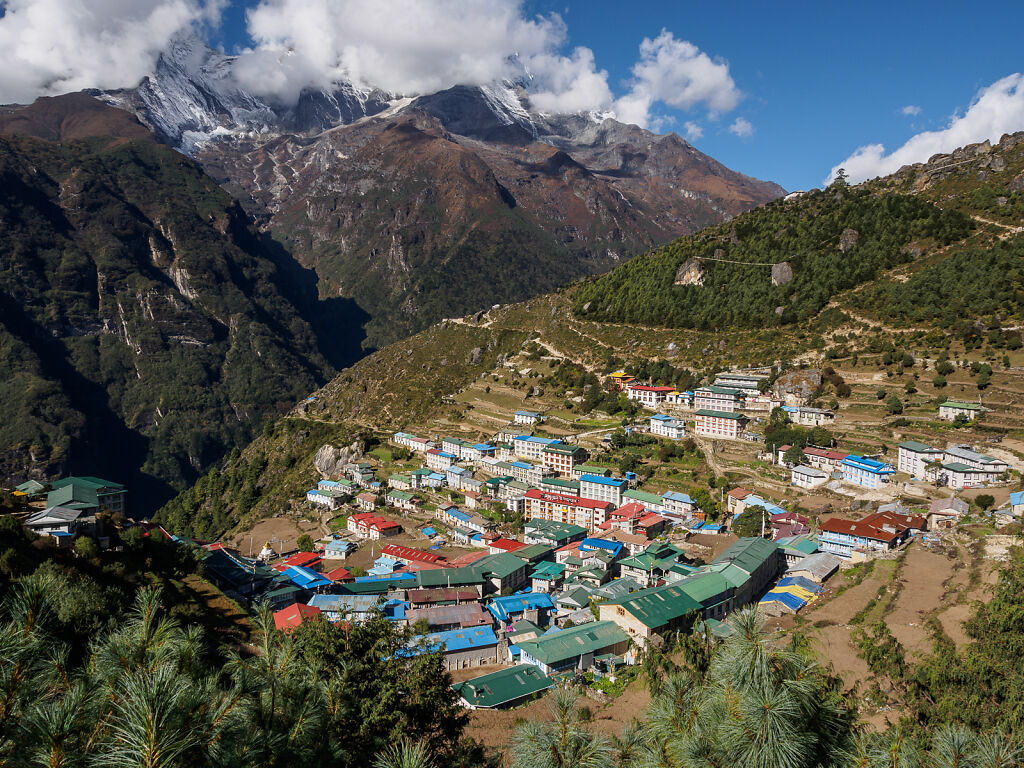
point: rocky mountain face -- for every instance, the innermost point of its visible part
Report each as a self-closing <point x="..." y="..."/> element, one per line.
<point x="429" y="207"/>
<point x="146" y="327"/>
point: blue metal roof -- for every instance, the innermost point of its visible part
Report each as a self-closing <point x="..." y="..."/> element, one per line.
<point x="501" y="607"/>
<point x="428" y="531"/>
<point x="392" y="577"/>
<point x="461" y="639"/>
<point x="803" y="582"/>
<point x="306" y="578"/>
<point x="1017" y="498"/>
<point x="788" y="599"/>
<point x="527" y="413"/>
<point x="602" y="480"/>
<point x="676" y="496"/>
<point x="870" y="465"/>
<point x="485" y="447"/>
<point x="609" y="546"/>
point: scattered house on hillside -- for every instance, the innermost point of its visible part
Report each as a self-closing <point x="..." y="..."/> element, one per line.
<point x="747" y="383"/>
<point x="820" y="458"/>
<point x="678" y="399"/>
<point x="957" y="475"/>
<point x="1017" y="504"/>
<point x="438" y="460"/>
<point x="591" y="469"/>
<point x="422" y="598"/>
<point x="651" y="565"/>
<point x="715" y="398"/>
<point x="650" y="397"/>
<point x="749" y="565"/>
<point x="951" y="409"/>
<point x="818" y="567"/>
<point x="528" y="418"/>
<point x="504" y="688"/>
<point x="31" y="489"/>
<point x="533" y="606"/>
<point x="504" y="545"/>
<point x="410" y="555"/>
<point x="61" y="523"/>
<point x="721" y="424"/>
<point x="547" y="577"/>
<point x="287" y="619"/>
<point x="865" y="472"/>
<point x="560" y="485"/>
<point x="575" y="648"/>
<point x="651" y="611"/>
<point x="600" y="488"/>
<point x="632" y="543"/>
<point x="562" y="457"/>
<point x="400" y="482"/>
<point x="91" y="495"/>
<point x="650" y="501"/>
<point x="367" y="525"/>
<point x="666" y="426"/>
<point x="964" y="454"/>
<point x="735" y="500"/>
<point x="562" y="508"/>
<point x="810" y="417"/>
<point x="797" y="547"/>
<point x="913" y="458"/>
<point x="808" y="477"/>
<point x="367" y="502"/>
<point x="462" y="648"/>
<point x="474" y="499"/>
<point x="879" y="532"/>
<point x="945" y="513"/>
<point x="551" y="533"/>
<point x="530" y="447"/>
<point x="621" y="380"/>
<point x="441" y="618"/>
<point x="401" y="500"/>
<point x="678" y="503"/>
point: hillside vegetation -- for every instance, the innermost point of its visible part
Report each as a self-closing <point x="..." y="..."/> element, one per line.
<point x="144" y="326"/>
<point x="832" y="240"/>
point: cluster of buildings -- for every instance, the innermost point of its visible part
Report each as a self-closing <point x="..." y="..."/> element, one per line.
<point x="957" y="466"/>
<point x="73" y="506"/>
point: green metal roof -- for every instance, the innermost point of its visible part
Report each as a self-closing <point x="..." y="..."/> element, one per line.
<point x="562" y="449"/>
<point x="737" y="577"/>
<point x="547" y="571"/>
<point x="525" y="625"/>
<point x="650" y="498"/>
<point x="503" y="686"/>
<point x="553" y="529"/>
<point x="400" y="495"/>
<point x="532" y="552"/>
<point x="575" y="641"/>
<point x="719" y="414"/>
<point x="657" y="606"/>
<point x="705" y="588"/>
<point x="748" y="554"/>
<point x="913" y="445"/>
<point x="962" y="406"/>
<point x="573" y="485"/>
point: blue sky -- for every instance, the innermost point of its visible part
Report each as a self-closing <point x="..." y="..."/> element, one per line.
<point x="818" y="79"/>
<point x="814" y="85"/>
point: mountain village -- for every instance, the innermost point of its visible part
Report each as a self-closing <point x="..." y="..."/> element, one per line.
<point x="525" y="558"/>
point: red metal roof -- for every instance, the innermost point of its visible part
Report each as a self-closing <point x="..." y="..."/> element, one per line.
<point x="859" y="528"/>
<point x="649" y="520"/>
<point x="629" y="511"/>
<point x="409" y="553"/>
<point x="508" y="545"/>
<point x="339" y="574"/>
<point x="289" y="618"/>
<point x="569" y="501"/>
<point x="304" y="559"/>
<point x="443" y="594"/>
<point x="739" y="493"/>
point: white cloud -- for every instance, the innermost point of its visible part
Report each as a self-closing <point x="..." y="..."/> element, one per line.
<point x="405" y="47"/>
<point x="693" y="130"/>
<point x="411" y="47"/>
<point x="742" y="128"/>
<point x="676" y="73"/>
<point x="56" y="46"/>
<point x="911" y="110"/>
<point x="996" y="110"/>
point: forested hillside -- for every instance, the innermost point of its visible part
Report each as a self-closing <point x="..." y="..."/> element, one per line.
<point x="830" y="240"/>
<point x="145" y="327"/>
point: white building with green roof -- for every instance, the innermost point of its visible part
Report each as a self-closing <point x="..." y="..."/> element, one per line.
<point x="949" y="410"/>
<point x="574" y="648"/>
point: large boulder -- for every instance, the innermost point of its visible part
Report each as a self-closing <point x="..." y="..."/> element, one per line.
<point x="330" y="461"/>
<point x="782" y="273"/>
<point x="848" y="239"/>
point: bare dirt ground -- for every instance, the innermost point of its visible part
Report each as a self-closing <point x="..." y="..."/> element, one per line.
<point x="495" y="728"/>
<point x="923" y="587"/>
<point x="281" y="533"/>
